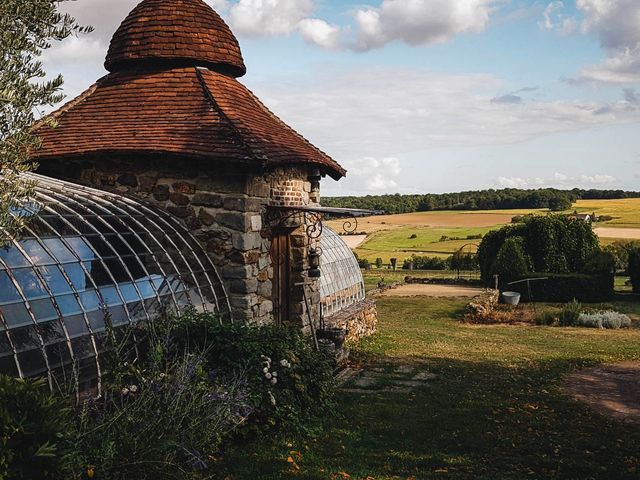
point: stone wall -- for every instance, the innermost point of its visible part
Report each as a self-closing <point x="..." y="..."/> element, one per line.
<point x="223" y="206"/>
<point x="359" y="320"/>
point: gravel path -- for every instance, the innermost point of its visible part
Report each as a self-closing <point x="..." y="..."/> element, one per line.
<point x="420" y="290"/>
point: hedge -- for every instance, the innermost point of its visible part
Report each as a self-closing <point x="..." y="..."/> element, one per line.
<point x="564" y="287"/>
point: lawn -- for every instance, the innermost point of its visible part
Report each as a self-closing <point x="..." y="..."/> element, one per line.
<point x="400" y="243"/>
<point x="495" y="410"/>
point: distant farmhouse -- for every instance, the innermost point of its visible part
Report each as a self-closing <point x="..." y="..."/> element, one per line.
<point x="585" y="217"/>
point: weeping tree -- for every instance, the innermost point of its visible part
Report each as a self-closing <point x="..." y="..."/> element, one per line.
<point x="27" y="29"/>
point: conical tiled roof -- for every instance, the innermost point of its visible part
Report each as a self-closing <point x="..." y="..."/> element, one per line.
<point x="175" y="33"/>
<point x="172" y="91"/>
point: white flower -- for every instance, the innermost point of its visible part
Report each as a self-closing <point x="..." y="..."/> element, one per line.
<point x="265" y="370"/>
<point x="268" y="376"/>
<point x="272" y="399"/>
<point x="275" y="374"/>
<point x="285" y="363"/>
<point x="125" y="391"/>
<point x="133" y="388"/>
<point x="274" y="380"/>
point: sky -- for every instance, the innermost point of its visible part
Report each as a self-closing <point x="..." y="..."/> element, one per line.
<point x="431" y="96"/>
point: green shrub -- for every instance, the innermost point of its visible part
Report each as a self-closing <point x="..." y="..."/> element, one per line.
<point x="634" y="269"/>
<point x="552" y="243"/>
<point x="547" y="317"/>
<point x="570" y="313"/>
<point x="379" y="262"/>
<point x="564" y="287"/>
<point x="511" y="261"/>
<point x="304" y="388"/>
<point x="35" y="428"/>
<point x="425" y="263"/>
<point x="413" y="235"/>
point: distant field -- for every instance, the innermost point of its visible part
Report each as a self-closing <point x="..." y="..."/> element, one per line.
<point x="626" y="212"/>
<point x="389" y="236"/>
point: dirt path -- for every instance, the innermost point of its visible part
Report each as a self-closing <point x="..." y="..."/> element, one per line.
<point x="353" y="241"/>
<point x="612" y="389"/>
<point x="612" y="232"/>
<point x="420" y="290"/>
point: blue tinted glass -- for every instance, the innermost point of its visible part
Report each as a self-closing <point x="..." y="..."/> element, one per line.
<point x="12" y="257"/>
<point x="51" y="332"/>
<point x="36" y="253"/>
<point x="54" y="279"/>
<point x="8" y="292"/>
<point x="68" y="305"/>
<point x="96" y="320"/>
<point x="90" y="300"/>
<point x="146" y="288"/>
<point x="117" y="315"/>
<point x="32" y="362"/>
<point x="80" y="248"/>
<point x="25" y="337"/>
<point x="76" y="274"/>
<point x="129" y="292"/>
<point x="59" y="250"/>
<point x="16" y="314"/>
<point x="29" y="283"/>
<point x="43" y="309"/>
<point x="110" y="296"/>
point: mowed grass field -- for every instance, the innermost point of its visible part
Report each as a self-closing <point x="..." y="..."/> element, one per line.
<point x="390" y="236"/>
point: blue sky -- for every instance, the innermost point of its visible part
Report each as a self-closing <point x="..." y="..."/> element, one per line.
<point x="417" y="96"/>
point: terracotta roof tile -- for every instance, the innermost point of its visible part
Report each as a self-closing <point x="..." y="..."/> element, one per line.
<point x="187" y="111"/>
<point x="175" y="33"/>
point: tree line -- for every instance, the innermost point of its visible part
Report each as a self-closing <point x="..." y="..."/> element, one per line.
<point x="503" y="199"/>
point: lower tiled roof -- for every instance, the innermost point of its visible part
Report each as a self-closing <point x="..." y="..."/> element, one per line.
<point x="186" y="111"/>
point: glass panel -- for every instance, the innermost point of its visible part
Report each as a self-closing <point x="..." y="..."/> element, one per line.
<point x="54" y="279"/>
<point x="8" y="366"/>
<point x="51" y="332"/>
<point x="16" y="314"/>
<point x="8" y="292"/>
<point x="90" y="300"/>
<point x="35" y="251"/>
<point x="81" y="248"/>
<point x="146" y="288"/>
<point x="32" y="363"/>
<point x="76" y="274"/>
<point x="98" y="273"/>
<point x="76" y="325"/>
<point x="100" y="246"/>
<point x="25" y="337"/>
<point x="82" y="347"/>
<point x="129" y="292"/>
<point x="5" y="346"/>
<point x="12" y="257"/>
<point x="59" y="250"/>
<point x="110" y="296"/>
<point x="114" y="265"/>
<point x="58" y="354"/>
<point x="118" y="316"/>
<point x="43" y="309"/>
<point x="96" y="320"/>
<point x="68" y="305"/>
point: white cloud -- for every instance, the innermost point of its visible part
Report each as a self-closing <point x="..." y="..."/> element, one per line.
<point x="320" y="33"/>
<point x="373" y="174"/>
<point x="617" y="24"/>
<point x="418" y="22"/>
<point x="555" y="20"/>
<point x="558" y="180"/>
<point x="269" y="17"/>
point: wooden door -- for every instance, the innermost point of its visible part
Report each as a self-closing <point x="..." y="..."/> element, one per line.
<point x="281" y="257"/>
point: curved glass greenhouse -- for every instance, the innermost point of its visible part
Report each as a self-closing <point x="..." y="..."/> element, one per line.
<point x="86" y="259"/>
<point x="341" y="282"/>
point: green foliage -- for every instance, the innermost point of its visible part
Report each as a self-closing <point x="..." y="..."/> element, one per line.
<point x="362" y="262"/>
<point x="553" y="243"/>
<point x="547" y="317"/>
<point x="413" y="235"/>
<point x="463" y="261"/>
<point x="620" y="250"/>
<point x="509" y="198"/>
<point x="35" y="428"/>
<point x="27" y="28"/>
<point x="379" y="262"/>
<point x="303" y="386"/>
<point x="560" y="203"/>
<point x="570" y="313"/>
<point x="425" y="263"/>
<point x="634" y="269"/>
<point x="511" y="261"/>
